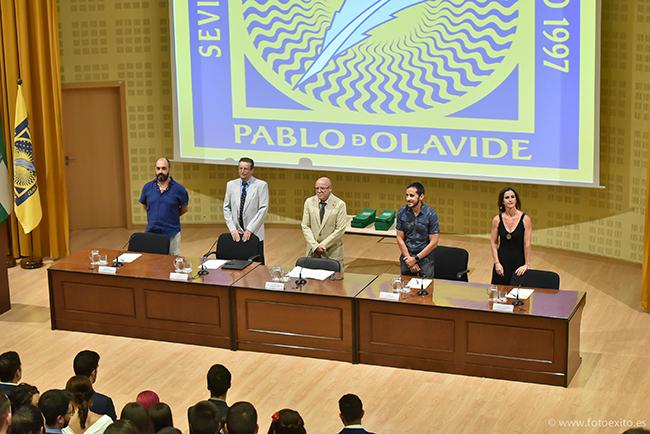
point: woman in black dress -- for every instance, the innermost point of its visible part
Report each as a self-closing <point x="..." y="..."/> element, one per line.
<point x="512" y="231"/>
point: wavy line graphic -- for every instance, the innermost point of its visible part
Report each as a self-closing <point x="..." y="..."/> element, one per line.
<point x="383" y="56"/>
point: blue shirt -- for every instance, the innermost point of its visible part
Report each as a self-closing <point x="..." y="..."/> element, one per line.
<point x="417" y="228"/>
<point x="163" y="209"/>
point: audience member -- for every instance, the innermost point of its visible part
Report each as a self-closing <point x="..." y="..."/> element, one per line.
<point x="351" y="414"/>
<point x="5" y="413"/>
<point x="242" y="419"/>
<point x="57" y="409"/>
<point x="219" y="380"/>
<point x="169" y="430"/>
<point x="27" y="420"/>
<point x="204" y="418"/>
<point x="86" y="363"/>
<point x="84" y="420"/>
<point x="161" y="416"/>
<point x="137" y="414"/>
<point x="147" y="398"/>
<point x="122" y="426"/>
<point x="23" y="394"/>
<point x="10" y="371"/>
<point x="287" y="421"/>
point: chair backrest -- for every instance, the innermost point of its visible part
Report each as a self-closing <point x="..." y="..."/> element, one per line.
<point x="319" y="263"/>
<point x="450" y="263"/>
<point x="537" y="279"/>
<point x="227" y="248"/>
<point x="147" y="242"/>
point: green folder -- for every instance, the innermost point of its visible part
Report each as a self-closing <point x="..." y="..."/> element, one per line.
<point x="364" y="218"/>
<point x="385" y="220"/>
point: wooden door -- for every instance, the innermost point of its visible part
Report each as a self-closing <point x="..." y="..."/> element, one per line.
<point x="94" y="137"/>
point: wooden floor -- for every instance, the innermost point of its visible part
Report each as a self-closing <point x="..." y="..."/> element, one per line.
<point x="611" y="388"/>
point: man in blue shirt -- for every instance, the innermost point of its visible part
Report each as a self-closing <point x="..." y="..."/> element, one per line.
<point x="57" y="409"/>
<point x="165" y="201"/>
<point x="417" y="233"/>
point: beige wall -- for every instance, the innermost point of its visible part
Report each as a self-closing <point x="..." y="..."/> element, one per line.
<point x="129" y="40"/>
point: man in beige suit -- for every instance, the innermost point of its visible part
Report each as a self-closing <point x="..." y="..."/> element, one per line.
<point x="324" y="218"/>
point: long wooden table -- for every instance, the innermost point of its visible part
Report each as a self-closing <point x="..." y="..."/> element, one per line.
<point x="454" y="329"/>
<point x="140" y="301"/>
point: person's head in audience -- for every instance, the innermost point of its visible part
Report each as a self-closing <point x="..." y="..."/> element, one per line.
<point x="242" y="419"/>
<point x="122" y="426"/>
<point x="204" y="418"/>
<point x="169" y="430"/>
<point x="287" y="421"/>
<point x="57" y="408"/>
<point x="161" y="416"/>
<point x="27" y="420"/>
<point x="82" y="391"/>
<point x="351" y="409"/>
<point x="137" y="414"/>
<point x="5" y="413"/>
<point x="86" y="363"/>
<point x="10" y="367"/>
<point x="23" y="394"/>
<point x="147" y="398"/>
<point x="637" y="431"/>
<point x="219" y="379"/>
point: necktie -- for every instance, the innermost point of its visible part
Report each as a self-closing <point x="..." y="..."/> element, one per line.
<point x="242" y="202"/>
<point x="322" y="210"/>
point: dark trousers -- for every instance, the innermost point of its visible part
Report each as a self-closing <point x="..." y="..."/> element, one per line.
<point x="260" y="251"/>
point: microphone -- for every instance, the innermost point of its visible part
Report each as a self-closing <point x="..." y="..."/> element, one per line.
<point x="422" y="291"/>
<point x="300" y="281"/>
<point x="202" y="269"/>
<point x="117" y="263"/>
<point x="517" y="301"/>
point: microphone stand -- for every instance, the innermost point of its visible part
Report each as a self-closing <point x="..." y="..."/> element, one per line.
<point x="117" y="263"/>
<point x="300" y="281"/>
<point x="517" y="301"/>
<point x="422" y="291"/>
<point x="202" y="269"/>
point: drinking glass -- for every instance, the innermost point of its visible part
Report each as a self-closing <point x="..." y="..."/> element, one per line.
<point x="502" y="295"/>
<point x="94" y="258"/>
<point x="398" y="285"/>
<point x="103" y="260"/>
<point x="276" y="274"/>
<point x="179" y="264"/>
<point x="493" y="293"/>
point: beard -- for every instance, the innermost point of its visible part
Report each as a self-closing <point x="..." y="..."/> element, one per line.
<point x="161" y="177"/>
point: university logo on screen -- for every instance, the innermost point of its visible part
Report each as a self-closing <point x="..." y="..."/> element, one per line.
<point x="387" y="83"/>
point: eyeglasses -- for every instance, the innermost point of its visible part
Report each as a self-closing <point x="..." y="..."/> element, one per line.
<point x="321" y="188"/>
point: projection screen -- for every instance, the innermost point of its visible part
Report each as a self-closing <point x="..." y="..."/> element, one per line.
<point x="474" y="89"/>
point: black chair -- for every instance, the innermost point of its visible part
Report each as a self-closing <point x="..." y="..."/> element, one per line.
<point x="537" y="279"/>
<point x="450" y="263"/>
<point x="319" y="263"/>
<point x="147" y="242"/>
<point x="227" y="248"/>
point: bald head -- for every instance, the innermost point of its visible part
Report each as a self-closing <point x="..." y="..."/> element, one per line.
<point x="323" y="188"/>
<point x="162" y="169"/>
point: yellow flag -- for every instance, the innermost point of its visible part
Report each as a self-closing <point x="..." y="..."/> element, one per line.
<point x="26" y="198"/>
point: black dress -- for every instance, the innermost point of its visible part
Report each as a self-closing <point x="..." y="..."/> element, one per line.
<point x="511" y="251"/>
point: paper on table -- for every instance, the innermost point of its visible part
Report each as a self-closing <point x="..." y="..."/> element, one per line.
<point x="524" y="293"/>
<point x="498" y="307"/>
<point x="129" y="257"/>
<point x="417" y="283"/>
<point x="310" y="273"/>
<point x="213" y="264"/>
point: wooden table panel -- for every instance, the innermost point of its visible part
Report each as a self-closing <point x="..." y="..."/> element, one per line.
<point x="314" y="320"/>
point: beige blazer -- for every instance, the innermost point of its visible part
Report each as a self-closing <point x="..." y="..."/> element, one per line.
<point x="330" y="231"/>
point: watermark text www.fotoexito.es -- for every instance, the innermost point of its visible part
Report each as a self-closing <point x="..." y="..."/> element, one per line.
<point x="597" y="423"/>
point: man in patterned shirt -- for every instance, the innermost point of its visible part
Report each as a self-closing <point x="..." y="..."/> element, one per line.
<point x="417" y="233"/>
